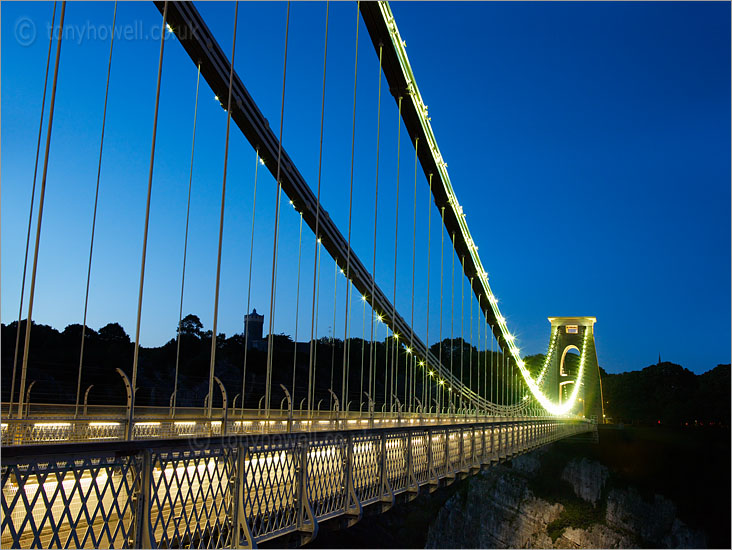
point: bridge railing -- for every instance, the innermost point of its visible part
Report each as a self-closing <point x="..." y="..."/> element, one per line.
<point x="57" y="428"/>
<point x="239" y="490"/>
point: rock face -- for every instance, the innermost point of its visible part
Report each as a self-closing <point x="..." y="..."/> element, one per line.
<point x="654" y="521"/>
<point x="587" y="478"/>
<point x="499" y="509"/>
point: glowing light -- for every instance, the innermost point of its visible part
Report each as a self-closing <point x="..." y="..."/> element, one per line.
<point x="442" y="382"/>
<point x="319" y="241"/>
<point x="396" y="336"/>
<point x="217" y="98"/>
<point x="103" y="424"/>
<point x="363" y="298"/>
<point x="432" y="373"/>
<point x="409" y="351"/>
<point x="510" y="337"/>
<point x="51" y="425"/>
<point x="168" y="27"/>
<point x="421" y="363"/>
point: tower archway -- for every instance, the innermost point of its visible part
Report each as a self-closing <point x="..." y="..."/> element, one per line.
<point x="575" y="336"/>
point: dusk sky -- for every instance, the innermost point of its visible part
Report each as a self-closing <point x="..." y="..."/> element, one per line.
<point x="588" y="143"/>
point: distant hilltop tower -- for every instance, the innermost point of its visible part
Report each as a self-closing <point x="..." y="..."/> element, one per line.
<point x="253" y="325"/>
<point x="576" y="333"/>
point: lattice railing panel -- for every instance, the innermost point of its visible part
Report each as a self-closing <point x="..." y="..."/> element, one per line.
<point x="420" y="464"/>
<point x="326" y="479"/>
<point x="190" y="497"/>
<point x="77" y="503"/>
<point x="439" y="458"/>
<point x="366" y="467"/>
<point x="453" y="442"/>
<point x="396" y="461"/>
<point x="271" y="487"/>
<point x="467" y="454"/>
<point x="478" y="443"/>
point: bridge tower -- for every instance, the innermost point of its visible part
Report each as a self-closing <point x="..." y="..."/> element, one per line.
<point x="561" y="373"/>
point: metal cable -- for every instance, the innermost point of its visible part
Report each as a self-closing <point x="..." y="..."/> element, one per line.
<point x="462" y="328"/>
<point x="452" y="311"/>
<point x="212" y="365"/>
<point x="332" y="332"/>
<point x="442" y="261"/>
<point x="273" y="285"/>
<point x="297" y="308"/>
<point x="131" y="413"/>
<point x="346" y="352"/>
<point x="185" y="246"/>
<point x="28" y="321"/>
<point x="30" y="217"/>
<point x="427" y="391"/>
<point x="316" y="261"/>
<point x="372" y="360"/>
<point x="249" y="287"/>
<point x="395" y="343"/>
<point x="94" y="216"/>
<point x="414" y="255"/>
<point x="317" y="313"/>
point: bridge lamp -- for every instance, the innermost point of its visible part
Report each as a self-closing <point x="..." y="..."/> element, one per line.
<point x="409" y="351"/>
<point x="396" y="336"/>
<point x="442" y="382"/>
<point x="217" y="98"/>
<point x="501" y="319"/>
<point x="421" y="363"/>
<point x="380" y="318"/>
<point x="510" y="337"/>
<point x="432" y="373"/>
<point x="319" y="240"/>
<point x="168" y="27"/>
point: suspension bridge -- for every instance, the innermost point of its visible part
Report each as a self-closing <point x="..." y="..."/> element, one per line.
<point x="318" y="432"/>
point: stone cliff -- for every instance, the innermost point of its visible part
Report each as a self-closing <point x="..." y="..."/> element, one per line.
<point x="541" y="500"/>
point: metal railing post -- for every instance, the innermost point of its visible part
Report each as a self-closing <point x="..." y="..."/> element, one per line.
<point x="143" y="533"/>
<point x="353" y="508"/>
<point x="307" y="525"/>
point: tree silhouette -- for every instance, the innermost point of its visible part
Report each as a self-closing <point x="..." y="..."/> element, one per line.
<point x="113" y="332"/>
<point x="191" y="325"/>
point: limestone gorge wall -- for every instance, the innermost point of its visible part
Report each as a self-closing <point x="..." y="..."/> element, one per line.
<point x="547" y="500"/>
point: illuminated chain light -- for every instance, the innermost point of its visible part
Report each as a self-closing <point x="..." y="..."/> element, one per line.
<point x="424" y="120"/>
<point x="549" y="354"/>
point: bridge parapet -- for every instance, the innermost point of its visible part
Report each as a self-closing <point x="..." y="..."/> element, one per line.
<point x="240" y="490"/>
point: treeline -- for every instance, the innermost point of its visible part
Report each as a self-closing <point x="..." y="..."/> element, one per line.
<point x="54" y="363"/>
<point x="669" y="394"/>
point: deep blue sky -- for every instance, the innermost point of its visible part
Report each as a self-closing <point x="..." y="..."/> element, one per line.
<point x="589" y="145"/>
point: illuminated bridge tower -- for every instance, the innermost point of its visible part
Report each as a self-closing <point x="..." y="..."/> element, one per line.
<point x="576" y="333"/>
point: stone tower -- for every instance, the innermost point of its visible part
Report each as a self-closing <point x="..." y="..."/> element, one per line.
<point x="253" y="325"/>
<point x="575" y="333"/>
